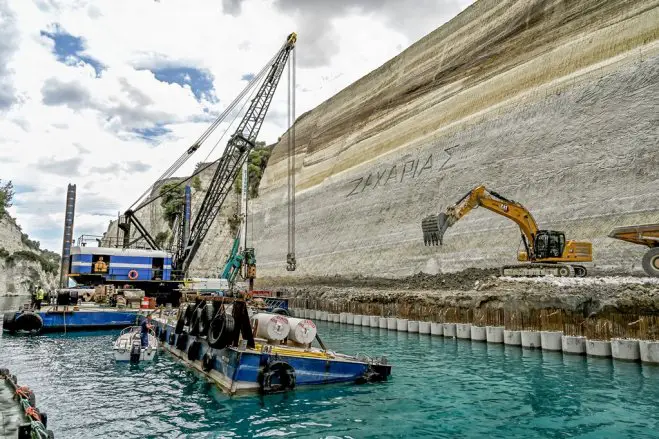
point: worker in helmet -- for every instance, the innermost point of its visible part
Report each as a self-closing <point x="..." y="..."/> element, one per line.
<point x="39" y="296"/>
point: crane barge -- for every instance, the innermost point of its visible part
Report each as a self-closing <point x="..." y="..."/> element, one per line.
<point x="137" y="259"/>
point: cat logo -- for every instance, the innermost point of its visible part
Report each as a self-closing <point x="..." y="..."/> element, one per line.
<point x="504" y="207"/>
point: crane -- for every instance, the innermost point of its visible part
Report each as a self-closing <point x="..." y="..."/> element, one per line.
<point x="546" y="251"/>
<point x="190" y="236"/>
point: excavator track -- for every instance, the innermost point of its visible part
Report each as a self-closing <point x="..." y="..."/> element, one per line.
<point x="539" y="270"/>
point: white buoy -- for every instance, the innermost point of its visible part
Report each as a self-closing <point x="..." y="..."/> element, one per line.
<point x="374" y="321"/>
<point x="512" y="338"/>
<point x="571" y="344"/>
<point x="302" y="330"/>
<point x="478" y="333"/>
<point x="382" y="323"/>
<point x="391" y="323"/>
<point x="531" y="339"/>
<point x="413" y="326"/>
<point x="401" y="325"/>
<point x="494" y="334"/>
<point x="436" y="328"/>
<point x="449" y="330"/>
<point x="350" y="318"/>
<point x="357" y="321"/>
<point x="598" y="348"/>
<point x="342" y="317"/>
<point x="271" y="326"/>
<point x="463" y="330"/>
<point x="625" y="349"/>
<point x="424" y="327"/>
<point x="649" y="351"/>
<point x="366" y="320"/>
<point x="551" y="340"/>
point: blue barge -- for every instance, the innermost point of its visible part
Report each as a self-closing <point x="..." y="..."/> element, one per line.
<point x="266" y="367"/>
<point x="61" y="320"/>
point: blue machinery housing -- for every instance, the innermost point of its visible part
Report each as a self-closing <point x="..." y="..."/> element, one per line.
<point x="117" y="264"/>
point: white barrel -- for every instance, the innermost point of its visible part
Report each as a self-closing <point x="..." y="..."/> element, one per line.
<point x="272" y="326"/>
<point x="302" y="330"/>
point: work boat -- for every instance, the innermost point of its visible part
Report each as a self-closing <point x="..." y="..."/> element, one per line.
<point x="262" y="353"/>
<point x="128" y="346"/>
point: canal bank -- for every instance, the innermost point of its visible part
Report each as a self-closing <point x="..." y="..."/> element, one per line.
<point x="602" y="316"/>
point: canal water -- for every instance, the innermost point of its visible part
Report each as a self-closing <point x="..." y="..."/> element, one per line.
<point x="441" y="388"/>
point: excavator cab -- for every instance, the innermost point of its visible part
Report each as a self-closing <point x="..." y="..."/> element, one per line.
<point x="549" y="244"/>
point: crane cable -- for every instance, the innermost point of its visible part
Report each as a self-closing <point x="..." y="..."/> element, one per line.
<point x="290" y="258"/>
<point x="183" y="158"/>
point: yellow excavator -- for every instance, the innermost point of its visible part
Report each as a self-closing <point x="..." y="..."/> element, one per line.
<point x="546" y="252"/>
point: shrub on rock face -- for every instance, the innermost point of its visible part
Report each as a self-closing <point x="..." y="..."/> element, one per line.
<point x="172" y="201"/>
<point x="6" y="196"/>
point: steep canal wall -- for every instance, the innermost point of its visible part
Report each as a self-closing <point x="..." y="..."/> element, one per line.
<point x="551" y="103"/>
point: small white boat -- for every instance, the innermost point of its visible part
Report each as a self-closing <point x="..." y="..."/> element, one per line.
<point x="128" y="346"/>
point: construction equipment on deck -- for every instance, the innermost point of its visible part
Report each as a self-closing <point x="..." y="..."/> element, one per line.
<point x="546" y="251"/>
<point x="648" y="235"/>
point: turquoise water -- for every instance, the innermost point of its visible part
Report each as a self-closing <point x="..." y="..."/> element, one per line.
<point x="440" y="388"/>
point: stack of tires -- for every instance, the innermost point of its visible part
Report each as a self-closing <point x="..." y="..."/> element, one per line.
<point x="206" y="320"/>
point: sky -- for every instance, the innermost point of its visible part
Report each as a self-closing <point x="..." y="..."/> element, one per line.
<point x="106" y="94"/>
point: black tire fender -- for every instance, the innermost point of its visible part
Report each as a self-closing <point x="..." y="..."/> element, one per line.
<point x="194" y="350"/>
<point x="172" y="338"/>
<point x="276" y="369"/>
<point x="208" y="361"/>
<point x="29" y="321"/>
<point x="180" y="323"/>
<point x="281" y="311"/>
<point x="182" y="342"/>
<point x="9" y="321"/>
<point x="220" y="331"/>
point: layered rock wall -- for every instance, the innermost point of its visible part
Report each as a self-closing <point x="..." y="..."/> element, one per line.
<point x="551" y="103"/>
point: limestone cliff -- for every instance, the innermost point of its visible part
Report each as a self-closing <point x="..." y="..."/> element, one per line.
<point x="552" y="103"/>
<point x="22" y="264"/>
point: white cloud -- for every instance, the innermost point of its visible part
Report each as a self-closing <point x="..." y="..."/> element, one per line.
<point x="71" y="124"/>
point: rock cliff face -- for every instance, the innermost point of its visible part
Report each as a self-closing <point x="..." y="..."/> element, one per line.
<point x="18" y="270"/>
<point x="552" y="103"/>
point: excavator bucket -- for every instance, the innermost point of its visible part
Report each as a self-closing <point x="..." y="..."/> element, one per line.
<point x="433" y="227"/>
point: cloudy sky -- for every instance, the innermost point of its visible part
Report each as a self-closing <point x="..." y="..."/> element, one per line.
<point x="107" y="93"/>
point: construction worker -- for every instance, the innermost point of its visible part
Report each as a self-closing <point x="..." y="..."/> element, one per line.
<point x="39" y="296"/>
<point x="100" y="266"/>
<point x="146" y="327"/>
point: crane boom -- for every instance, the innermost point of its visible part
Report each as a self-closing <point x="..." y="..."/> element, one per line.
<point x="235" y="154"/>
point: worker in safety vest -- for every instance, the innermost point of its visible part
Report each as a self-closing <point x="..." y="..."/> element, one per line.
<point x="100" y="266"/>
<point x="40" y="295"/>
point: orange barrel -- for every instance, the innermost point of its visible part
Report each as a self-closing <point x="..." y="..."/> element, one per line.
<point x="152" y="303"/>
<point x="145" y="303"/>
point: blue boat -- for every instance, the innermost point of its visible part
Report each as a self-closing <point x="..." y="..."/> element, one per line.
<point x="61" y="320"/>
<point x="267" y="368"/>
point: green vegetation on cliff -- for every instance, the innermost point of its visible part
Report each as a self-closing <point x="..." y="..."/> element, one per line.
<point x="172" y="201"/>
<point x="258" y="161"/>
<point x="6" y="196"/>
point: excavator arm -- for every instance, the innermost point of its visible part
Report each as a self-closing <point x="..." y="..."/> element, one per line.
<point x="434" y="226"/>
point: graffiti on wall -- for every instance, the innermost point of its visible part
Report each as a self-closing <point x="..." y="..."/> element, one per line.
<point x="399" y="172"/>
